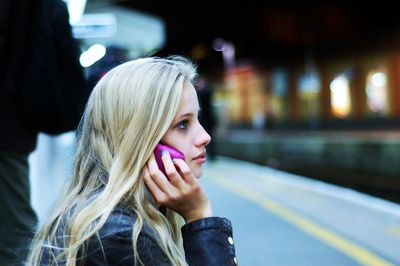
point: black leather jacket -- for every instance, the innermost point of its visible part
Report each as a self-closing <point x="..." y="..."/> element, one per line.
<point x="206" y="242"/>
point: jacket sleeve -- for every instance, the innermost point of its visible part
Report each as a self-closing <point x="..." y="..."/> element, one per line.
<point x="209" y="242"/>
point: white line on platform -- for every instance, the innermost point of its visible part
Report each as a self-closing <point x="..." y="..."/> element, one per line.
<point x="321" y="187"/>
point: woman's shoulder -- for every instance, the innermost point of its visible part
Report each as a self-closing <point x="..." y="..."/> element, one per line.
<point x="120" y="220"/>
<point x="112" y="244"/>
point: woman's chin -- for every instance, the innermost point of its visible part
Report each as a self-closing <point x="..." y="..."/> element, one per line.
<point x="197" y="172"/>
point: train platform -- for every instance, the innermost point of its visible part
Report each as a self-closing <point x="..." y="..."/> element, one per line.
<point x="368" y="161"/>
<point x="286" y="219"/>
<point x="279" y="219"/>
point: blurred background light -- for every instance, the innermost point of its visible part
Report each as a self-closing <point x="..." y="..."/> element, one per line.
<point x="92" y="55"/>
<point x="340" y="97"/>
<point x="279" y="82"/>
<point x="376" y="91"/>
<point x="76" y="9"/>
<point x="95" y="26"/>
<point x="309" y="83"/>
<point x="218" y="44"/>
<point x="378" y="79"/>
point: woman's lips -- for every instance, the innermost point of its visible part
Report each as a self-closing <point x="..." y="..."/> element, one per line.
<point x="200" y="159"/>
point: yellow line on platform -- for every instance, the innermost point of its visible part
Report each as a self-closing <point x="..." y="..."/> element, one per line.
<point x="356" y="252"/>
<point x="393" y="231"/>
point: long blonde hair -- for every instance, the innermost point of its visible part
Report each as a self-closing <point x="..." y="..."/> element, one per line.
<point x="128" y="112"/>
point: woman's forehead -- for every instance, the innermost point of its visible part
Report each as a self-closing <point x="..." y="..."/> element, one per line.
<point x="189" y="102"/>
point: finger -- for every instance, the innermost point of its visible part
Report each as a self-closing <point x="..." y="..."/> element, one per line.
<point x="152" y="165"/>
<point x="173" y="175"/>
<point x="157" y="193"/>
<point x="158" y="177"/>
<point x="185" y="171"/>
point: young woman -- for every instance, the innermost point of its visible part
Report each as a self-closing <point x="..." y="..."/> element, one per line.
<point x="120" y="208"/>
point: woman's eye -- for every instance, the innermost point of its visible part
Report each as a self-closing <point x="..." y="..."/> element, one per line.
<point x="183" y="124"/>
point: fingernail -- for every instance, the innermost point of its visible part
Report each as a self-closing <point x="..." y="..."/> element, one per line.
<point x="163" y="152"/>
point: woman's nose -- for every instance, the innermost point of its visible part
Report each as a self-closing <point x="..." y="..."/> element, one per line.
<point x="203" y="138"/>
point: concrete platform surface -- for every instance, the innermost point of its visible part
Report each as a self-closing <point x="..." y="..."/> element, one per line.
<point x="285" y="219"/>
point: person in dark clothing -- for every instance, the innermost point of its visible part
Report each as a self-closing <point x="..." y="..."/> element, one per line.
<point x="23" y="58"/>
<point x="120" y="208"/>
<point x="207" y="116"/>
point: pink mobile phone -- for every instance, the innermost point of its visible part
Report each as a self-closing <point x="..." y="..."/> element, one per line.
<point x="175" y="154"/>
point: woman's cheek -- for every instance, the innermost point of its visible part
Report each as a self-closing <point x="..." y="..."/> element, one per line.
<point x="188" y="163"/>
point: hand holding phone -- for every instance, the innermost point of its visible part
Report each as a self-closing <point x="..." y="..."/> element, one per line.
<point x="174" y="153"/>
<point x="191" y="206"/>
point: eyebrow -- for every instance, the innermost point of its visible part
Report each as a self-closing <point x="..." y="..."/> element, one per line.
<point x="184" y="115"/>
<point x="187" y="115"/>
